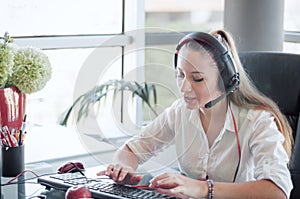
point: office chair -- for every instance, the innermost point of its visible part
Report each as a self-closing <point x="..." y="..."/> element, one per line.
<point x="277" y="75"/>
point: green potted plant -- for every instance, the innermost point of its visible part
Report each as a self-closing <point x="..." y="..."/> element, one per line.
<point x="99" y="92"/>
<point x="23" y="70"/>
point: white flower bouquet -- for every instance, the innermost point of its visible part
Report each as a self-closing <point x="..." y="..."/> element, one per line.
<point x="27" y="68"/>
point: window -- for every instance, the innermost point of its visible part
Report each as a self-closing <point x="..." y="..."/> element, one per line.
<point x="69" y="67"/>
<point x="292" y="26"/>
<point x="69" y="32"/>
<point x="56" y="17"/>
<point x="174" y="19"/>
<point x="291" y="16"/>
<point x="190" y="15"/>
<point x="76" y="36"/>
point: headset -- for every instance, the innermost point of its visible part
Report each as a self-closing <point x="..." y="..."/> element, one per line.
<point x="224" y="58"/>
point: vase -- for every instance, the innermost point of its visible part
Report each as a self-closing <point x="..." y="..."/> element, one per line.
<point x="12" y="107"/>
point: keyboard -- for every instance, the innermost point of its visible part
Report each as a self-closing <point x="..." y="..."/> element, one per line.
<point x="100" y="187"/>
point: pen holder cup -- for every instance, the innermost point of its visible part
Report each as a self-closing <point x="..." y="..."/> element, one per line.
<point x="12" y="161"/>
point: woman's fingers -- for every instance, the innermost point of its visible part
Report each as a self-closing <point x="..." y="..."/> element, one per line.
<point x="109" y="169"/>
<point x="100" y="173"/>
<point x="115" y="172"/>
<point x="171" y="193"/>
<point x="166" y="181"/>
<point x="121" y="174"/>
<point x="107" y="172"/>
<point x="155" y="180"/>
<point x="181" y="185"/>
<point x="135" y="179"/>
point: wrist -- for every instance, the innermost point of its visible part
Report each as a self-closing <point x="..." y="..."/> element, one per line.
<point x="202" y="189"/>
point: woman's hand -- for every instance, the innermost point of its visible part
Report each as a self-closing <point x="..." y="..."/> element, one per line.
<point x="180" y="185"/>
<point x="121" y="174"/>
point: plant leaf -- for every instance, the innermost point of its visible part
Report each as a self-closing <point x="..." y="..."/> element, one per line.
<point x="93" y="96"/>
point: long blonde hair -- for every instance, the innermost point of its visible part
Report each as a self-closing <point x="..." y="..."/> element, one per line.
<point x="248" y="96"/>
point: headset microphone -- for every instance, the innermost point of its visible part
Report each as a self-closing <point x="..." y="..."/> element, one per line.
<point x="234" y="86"/>
<point x="213" y="102"/>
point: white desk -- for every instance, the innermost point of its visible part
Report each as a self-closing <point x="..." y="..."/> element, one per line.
<point x="55" y="144"/>
<point x="60" y="144"/>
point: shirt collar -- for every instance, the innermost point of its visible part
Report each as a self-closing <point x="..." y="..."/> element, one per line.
<point x="229" y="124"/>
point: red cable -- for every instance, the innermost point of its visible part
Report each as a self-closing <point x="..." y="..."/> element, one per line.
<point x="21" y="173"/>
<point x="238" y="143"/>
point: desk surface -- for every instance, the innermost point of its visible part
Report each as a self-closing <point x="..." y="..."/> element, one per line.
<point x="57" y="194"/>
<point x="33" y="189"/>
<point x="41" y="147"/>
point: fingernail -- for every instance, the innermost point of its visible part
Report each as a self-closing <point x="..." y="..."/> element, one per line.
<point x="120" y="178"/>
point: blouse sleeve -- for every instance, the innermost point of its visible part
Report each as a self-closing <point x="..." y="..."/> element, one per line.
<point x="270" y="157"/>
<point x="156" y="136"/>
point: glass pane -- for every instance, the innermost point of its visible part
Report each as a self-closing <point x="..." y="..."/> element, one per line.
<point x="190" y="15"/>
<point x="292" y="15"/>
<point x="71" y="69"/>
<point x="60" y="17"/>
<point x="159" y="70"/>
<point x="291" y="47"/>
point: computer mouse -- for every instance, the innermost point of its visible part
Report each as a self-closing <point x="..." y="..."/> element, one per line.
<point x="71" y="167"/>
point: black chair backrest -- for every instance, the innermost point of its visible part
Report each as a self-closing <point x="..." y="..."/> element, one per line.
<point x="277" y="75"/>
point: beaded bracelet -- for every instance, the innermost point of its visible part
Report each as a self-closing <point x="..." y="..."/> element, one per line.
<point x="210" y="184"/>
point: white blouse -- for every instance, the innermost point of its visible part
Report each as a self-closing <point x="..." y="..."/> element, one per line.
<point x="263" y="155"/>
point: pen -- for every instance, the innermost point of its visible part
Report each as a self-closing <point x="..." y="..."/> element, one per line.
<point x="14" y="141"/>
<point x="6" y="135"/>
<point x="16" y="134"/>
<point x="3" y="139"/>
<point x="20" y="142"/>
<point x="4" y="142"/>
<point x="23" y="137"/>
<point x="24" y="123"/>
<point x="11" y="139"/>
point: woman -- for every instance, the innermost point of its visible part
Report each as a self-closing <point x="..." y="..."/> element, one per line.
<point x="224" y="130"/>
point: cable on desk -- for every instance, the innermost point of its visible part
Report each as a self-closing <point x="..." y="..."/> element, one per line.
<point x="16" y="177"/>
<point x="34" y="194"/>
<point x="10" y="182"/>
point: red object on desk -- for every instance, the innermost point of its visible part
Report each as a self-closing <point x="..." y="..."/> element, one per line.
<point x="77" y="192"/>
<point x="12" y="107"/>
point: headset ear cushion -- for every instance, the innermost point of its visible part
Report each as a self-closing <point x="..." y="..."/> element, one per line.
<point x="175" y="59"/>
<point x="229" y="74"/>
